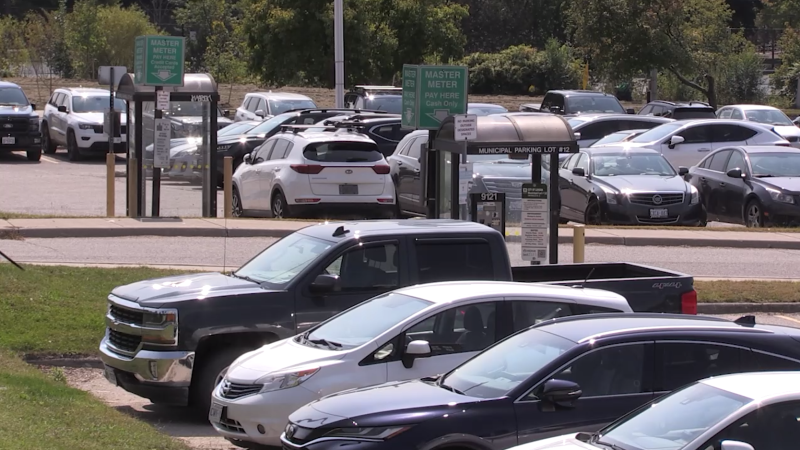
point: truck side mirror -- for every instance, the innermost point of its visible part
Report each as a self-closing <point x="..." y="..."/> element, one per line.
<point x="33" y="106"/>
<point x="682" y="171"/>
<point x="324" y="283"/>
<point x="562" y="393"/>
<point x="414" y="350"/>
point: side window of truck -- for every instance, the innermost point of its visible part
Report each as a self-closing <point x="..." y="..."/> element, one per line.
<point x="371" y="267"/>
<point x="444" y="261"/>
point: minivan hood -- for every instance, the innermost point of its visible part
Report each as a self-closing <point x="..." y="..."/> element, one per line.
<point x="791" y="184"/>
<point x="160" y="291"/>
<point x="649" y="183"/>
<point x="280" y="356"/>
<point x="563" y="442"/>
<point x="387" y="397"/>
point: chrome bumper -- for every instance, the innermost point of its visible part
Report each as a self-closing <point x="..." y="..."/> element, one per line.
<point x="152" y="366"/>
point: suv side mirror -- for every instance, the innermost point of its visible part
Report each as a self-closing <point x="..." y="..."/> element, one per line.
<point x="63" y="109"/>
<point x="630" y="111"/>
<point x="324" y="283"/>
<point x="675" y="140"/>
<point x="226" y="113"/>
<point x="735" y="173"/>
<point x="560" y="392"/>
<point x="682" y="171"/>
<point x="735" y="445"/>
<point x="579" y="171"/>
<point x="248" y="158"/>
<point x="414" y="350"/>
<point x="33" y="106"/>
<point x="261" y="113"/>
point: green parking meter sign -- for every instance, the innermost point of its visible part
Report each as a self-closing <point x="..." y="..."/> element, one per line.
<point x="432" y="93"/>
<point x="158" y="60"/>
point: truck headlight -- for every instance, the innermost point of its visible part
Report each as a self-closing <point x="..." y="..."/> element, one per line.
<point x="371" y="433"/>
<point x="33" y="123"/>
<point x="695" y="195"/>
<point x="160" y="326"/>
<point x="286" y="380"/>
<point x="779" y="196"/>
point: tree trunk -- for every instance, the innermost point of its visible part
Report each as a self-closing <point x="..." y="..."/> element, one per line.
<point x="710" y="92"/>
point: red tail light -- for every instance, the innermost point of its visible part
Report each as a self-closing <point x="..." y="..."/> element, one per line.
<point x="381" y="170"/>
<point x="689" y="302"/>
<point x="308" y="169"/>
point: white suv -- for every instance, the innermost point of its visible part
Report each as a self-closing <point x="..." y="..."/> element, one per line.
<point x="296" y="173"/>
<point x="261" y="105"/>
<point x="73" y="118"/>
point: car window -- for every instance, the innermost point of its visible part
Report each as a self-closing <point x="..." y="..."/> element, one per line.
<point x="527" y="313"/>
<point x="342" y="152"/>
<point x="583" y="163"/>
<point x="598" y="129"/>
<point x="441" y="261"/>
<point x="616" y="370"/>
<point x="764" y="362"/>
<point x="415" y="150"/>
<point x="372" y="267"/>
<point x="725" y="113"/>
<point x="771" y="427"/>
<point x="633" y="124"/>
<point x="547" y="102"/>
<point x="281" y="106"/>
<point x="262" y="106"/>
<point x="694" y="113"/>
<point x="646" y="110"/>
<point x="700" y="134"/>
<point x="732" y="133"/>
<point x="282" y="261"/>
<point x="247" y="103"/>
<point x="736" y="162"/>
<point x="53" y="98"/>
<point x="262" y="153"/>
<point x="403" y="146"/>
<point x="390" y="103"/>
<point x="736" y="114"/>
<point x="769" y="117"/>
<point x="719" y="161"/>
<point x="621" y="164"/>
<point x="280" y="150"/>
<point x="570" y="163"/>
<point x="468" y="328"/>
<point x="388" y="132"/>
<point x="658" y="110"/>
<point x="657" y="133"/>
<point x="12" y="96"/>
<point x="95" y="104"/>
<point x="679" y="364"/>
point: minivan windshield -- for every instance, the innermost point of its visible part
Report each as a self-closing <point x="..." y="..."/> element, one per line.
<point x="501" y="368"/>
<point x="673" y="421"/>
<point x="657" y="133"/>
<point x="363" y="323"/>
<point x="282" y="261"/>
<point x="593" y="104"/>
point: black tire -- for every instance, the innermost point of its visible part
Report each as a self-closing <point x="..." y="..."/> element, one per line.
<point x="754" y="214"/>
<point x="34" y="155"/>
<point x="236" y="204"/>
<point x="563" y="221"/>
<point x="73" y="152"/>
<point x="593" y="214"/>
<point x="279" y="207"/>
<point x="703" y="219"/>
<point x="210" y="372"/>
<point x="47" y="144"/>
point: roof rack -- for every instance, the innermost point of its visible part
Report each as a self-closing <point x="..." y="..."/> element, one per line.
<point x="325" y="110"/>
<point x="325" y="126"/>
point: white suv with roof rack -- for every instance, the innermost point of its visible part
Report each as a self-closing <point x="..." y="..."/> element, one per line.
<point x="301" y="171"/>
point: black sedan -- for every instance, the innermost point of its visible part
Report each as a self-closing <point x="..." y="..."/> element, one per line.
<point x="628" y="186"/>
<point x="752" y="185"/>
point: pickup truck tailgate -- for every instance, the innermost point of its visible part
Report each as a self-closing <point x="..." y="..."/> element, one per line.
<point x="647" y="289"/>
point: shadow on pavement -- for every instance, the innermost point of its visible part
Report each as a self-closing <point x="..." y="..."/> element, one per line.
<point x="172" y="420"/>
<point x="15" y="158"/>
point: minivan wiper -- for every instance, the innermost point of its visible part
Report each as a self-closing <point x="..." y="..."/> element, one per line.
<point x="763" y="175"/>
<point x="609" y="445"/>
<point x="450" y="388"/>
<point x="329" y="344"/>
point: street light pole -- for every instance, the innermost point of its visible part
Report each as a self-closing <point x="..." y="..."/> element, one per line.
<point x="338" y="36"/>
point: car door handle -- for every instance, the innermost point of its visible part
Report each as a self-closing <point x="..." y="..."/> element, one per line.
<point x="399" y="163"/>
<point x="704" y="150"/>
<point x="416" y="170"/>
<point x="722" y="185"/>
<point x="276" y="169"/>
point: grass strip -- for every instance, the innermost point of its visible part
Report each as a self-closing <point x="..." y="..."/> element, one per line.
<point x="39" y="411"/>
<point x="724" y="291"/>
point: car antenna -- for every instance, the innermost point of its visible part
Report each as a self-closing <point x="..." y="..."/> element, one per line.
<point x="11" y="261"/>
<point x="583" y="285"/>
<point x="340" y="231"/>
<point x="746" y="321"/>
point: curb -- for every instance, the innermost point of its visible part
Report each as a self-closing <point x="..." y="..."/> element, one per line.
<point x="673" y="242"/>
<point x="744" y="308"/>
<point x="78" y="363"/>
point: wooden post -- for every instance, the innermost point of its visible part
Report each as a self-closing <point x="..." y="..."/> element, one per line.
<point x="133" y="192"/>
<point x="578" y="243"/>
<point x="227" y="172"/>
<point x="110" y="184"/>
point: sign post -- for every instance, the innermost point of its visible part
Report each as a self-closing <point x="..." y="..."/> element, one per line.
<point x="159" y="62"/>
<point x="466" y="129"/>
<point x="111" y="75"/>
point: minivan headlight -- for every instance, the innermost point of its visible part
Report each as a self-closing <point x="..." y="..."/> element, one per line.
<point x="276" y="382"/>
<point x="374" y="433"/>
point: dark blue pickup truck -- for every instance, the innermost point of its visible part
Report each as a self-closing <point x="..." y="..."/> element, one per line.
<point x="19" y="124"/>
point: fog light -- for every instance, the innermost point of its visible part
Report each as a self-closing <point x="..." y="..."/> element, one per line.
<point x="261" y="429"/>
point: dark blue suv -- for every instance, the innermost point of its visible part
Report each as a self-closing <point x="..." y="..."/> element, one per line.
<point x="560" y="376"/>
<point x="19" y="124"/>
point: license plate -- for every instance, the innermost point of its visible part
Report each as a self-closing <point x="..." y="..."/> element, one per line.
<point x="117" y="140"/>
<point x="9" y="140"/>
<point x="658" y="213"/>
<point x="110" y="375"/>
<point x="215" y="412"/>
<point x="348" y="189"/>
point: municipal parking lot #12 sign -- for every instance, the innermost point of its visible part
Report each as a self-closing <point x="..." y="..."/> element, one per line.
<point x="432" y="93"/>
<point x="158" y="60"/>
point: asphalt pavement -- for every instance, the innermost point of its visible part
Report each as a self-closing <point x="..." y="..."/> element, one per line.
<point x="214" y="253"/>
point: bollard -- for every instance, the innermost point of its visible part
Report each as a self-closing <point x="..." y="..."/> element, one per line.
<point x="227" y="173"/>
<point x="578" y="243"/>
<point x="110" y="184"/>
<point x="133" y="192"/>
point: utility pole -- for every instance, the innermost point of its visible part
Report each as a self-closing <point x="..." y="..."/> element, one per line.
<point x="338" y="37"/>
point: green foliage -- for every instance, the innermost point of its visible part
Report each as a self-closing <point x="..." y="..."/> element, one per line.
<point x="493" y="25"/>
<point x="521" y="70"/>
<point x="84" y="37"/>
<point x="227" y="55"/>
<point x="292" y="42"/>
<point x="779" y="14"/>
<point x="201" y="17"/>
<point x="12" y="50"/>
<point x="784" y="80"/>
<point x="739" y="80"/>
<point x="119" y="28"/>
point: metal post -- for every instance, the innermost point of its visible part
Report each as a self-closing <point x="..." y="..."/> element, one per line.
<point x="228" y="191"/>
<point x="555" y="207"/>
<point x="138" y="173"/>
<point x="133" y="194"/>
<point x="110" y="159"/>
<point x="455" y="207"/>
<point x="156" y="204"/>
<point x="578" y="243"/>
<point x="338" y="36"/>
<point x="653" y="85"/>
<point x="433" y="179"/>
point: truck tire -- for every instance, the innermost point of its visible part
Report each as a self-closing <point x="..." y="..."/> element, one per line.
<point x="34" y="155"/>
<point x="211" y="371"/>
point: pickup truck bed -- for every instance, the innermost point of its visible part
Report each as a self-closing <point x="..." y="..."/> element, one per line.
<point x="647" y="289"/>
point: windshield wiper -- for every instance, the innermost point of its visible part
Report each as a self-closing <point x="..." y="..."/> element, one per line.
<point x="450" y="388"/>
<point x="765" y="175"/>
<point x="329" y="344"/>
<point x="596" y="440"/>
<point x="244" y="277"/>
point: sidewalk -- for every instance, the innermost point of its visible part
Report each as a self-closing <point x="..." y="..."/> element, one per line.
<point x="198" y="227"/>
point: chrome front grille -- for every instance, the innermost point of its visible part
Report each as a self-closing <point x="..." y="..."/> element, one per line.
<point x="125" y="342"/>
<point x="233" y="391"/>
<point x="125" y="315"/>
<point x="663" y="220"/>
<point x="656" y="199"/>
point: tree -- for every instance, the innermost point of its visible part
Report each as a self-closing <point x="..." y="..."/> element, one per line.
<point x="779" y="14"/>
<point x="84" y="37"/>
<point x="12" y="53"/>
<point x="688" y="38"/>
<point x="494" y="25"/>
<point x="199" y="16"/>
<point x="292" y="42"/>
<point x="119" y="28"/>
<point x="226" y="57"/>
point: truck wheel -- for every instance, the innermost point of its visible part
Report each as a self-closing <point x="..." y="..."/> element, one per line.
<point x="73" y="152"/>
<point x="34" y="155"/>
<point x="47" y="144"/>
<point x="212" y="370"/>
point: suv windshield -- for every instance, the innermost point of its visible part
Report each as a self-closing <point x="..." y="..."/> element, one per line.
<point x="673" y="421"/>
<point x="235" y="128"/>
<point x="282" y="261"/>
<point x="281" y="106"/>
<point x="390" y="103"/>
<point x="95" y="103"/>
<point x="591" y="104"/>
<point x="363" y="323"/>
<point x="768" y="116"/>
<point x="657" y="133"/>
<point x="342" y="152"/>
<point x="619" y="164"/>
<point x="501" y="368"/>
<point x="12" y="96"/>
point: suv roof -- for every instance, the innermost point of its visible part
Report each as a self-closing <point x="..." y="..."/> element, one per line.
<point x="584" y="328"/>
<point x="691" y="104"/>
<point x="8" y="84"/>
<point x="580" y="93"/>
<point x="365" y="118"/>
<point x="279" y="95"/>
<point x="363" y="88"/>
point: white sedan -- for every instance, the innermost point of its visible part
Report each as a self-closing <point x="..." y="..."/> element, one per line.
<point x="409" y="333"/>
<point x="748" y="411"/>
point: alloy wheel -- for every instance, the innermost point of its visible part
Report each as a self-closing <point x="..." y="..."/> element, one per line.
<point x="754" y="219"/>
